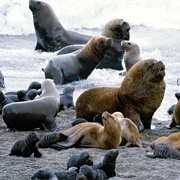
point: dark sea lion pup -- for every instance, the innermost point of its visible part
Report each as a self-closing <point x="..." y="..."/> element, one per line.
<point x="74" y="67"/>
<point x="164" y="151"/>
<point x="51" y="35"/>
<point x="40" y="112"/>
<point x="77" y="160"/>
<point x="26" y="146"/>
<point x="139" y="96"/>
<point x="66" y="98"/>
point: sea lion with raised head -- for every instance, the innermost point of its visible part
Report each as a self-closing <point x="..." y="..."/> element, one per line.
<point x="164" y="151"/>
<point x="26" y="146"/>
<point x="131" y="55"/>
<point x="50" y="33"/>
<point x="27" y="115"/>
<point x="71" y="67"/>
<point x="92" y="135"/>
<point x="138" y="97"/>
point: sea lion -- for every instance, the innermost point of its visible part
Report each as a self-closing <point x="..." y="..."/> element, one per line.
<point x="66" y="98"/>
<point x="108" y="164"/>
<point x="138" y="97"/>
<point x="2" y="84"/>
<point x="164" y="151"/>
<point x="77" y="160"/>
<point x="172" y="140"/>
<point x="92" y="174"/>
<point x="39" y="112"/>
<point x="3" y="101"/>
<point x="92" y="135"/>
<point x="176" y="116"/>
<point x="132" y="53"/>
<point x="26" y="146"/>
<point x="129" y="131"/>
<point x="71" y="67"/>
<point x="22" y="95"/>
<point x="51" y="35"/>
<point x="118" y="30"/>
<point x="44" y="174"/>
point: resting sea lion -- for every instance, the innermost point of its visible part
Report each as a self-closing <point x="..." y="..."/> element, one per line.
<point x="92" y="174"/>
<point x="93" y="135"/>
<point x="108" y="165"/>
<point x="164" y="151"/>
<point x="118" y="30"/>
<point x="77" y="160"/>
<point x="132" y="53"/>
<point x="26" y="146"/>
<point x="39" y="112"/>
<point x="66" y="99"/>
<point x="172" y="140"/>
<point x="139" y="96"/>
<point x="73" y="67"/>
<point x="51" y="35"/>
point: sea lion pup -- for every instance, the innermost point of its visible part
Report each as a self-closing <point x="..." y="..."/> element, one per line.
<point x="108" y="165"/>
<point x="140" y="94"/>
<point x="71" y="67"/>
<point x="164" y="151"/>
<point x="172" y="140"/>
<point x="44" y="174"/>
<point x="51" y="35"/>
<point x="132" y="53"/>
<point x="129" y="131"/>
<point x="92" y="135"/>
<point x="66" y="98"/>
<point x="26" y="146"/>
<point x="92" y="174"/>
<point x="22" y="95"/>
<point x="77" y="160"/>
<point x="176" y="116"/>
<point x="27" y="115"/>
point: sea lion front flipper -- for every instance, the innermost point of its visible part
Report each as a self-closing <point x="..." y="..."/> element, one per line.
<point x="37" y="153"/>
<point x="49" y="124"/>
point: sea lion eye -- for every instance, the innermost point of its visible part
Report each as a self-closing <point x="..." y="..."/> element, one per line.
<point x="150" y="66"/>
<point x="101" y="41"/>
<point x="129" y="43"/>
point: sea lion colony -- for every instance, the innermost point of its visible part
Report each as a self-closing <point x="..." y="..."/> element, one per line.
<point x="110" y="134"/>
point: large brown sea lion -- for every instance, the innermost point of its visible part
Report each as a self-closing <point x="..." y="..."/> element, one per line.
<point x="73" y="67"/>
<point x="90" y="134"/>
<point x="118" y="30"/>
<point x="132" y="53"/>
<point x="26" y="146"/>
<point x="51" y="35"/>
<point x="139" y="96"/>
<point x="172" y="140"/>
<point x="39" y="112"/>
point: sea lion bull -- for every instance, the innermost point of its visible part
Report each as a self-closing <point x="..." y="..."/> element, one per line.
<point x="71" y="67"/>
<point x="26" y="146"/>
<point x="50" y="33"/>
<point x="39" y="112"/>
<point x="93" y="135"/>
<point x="138" y="97"/>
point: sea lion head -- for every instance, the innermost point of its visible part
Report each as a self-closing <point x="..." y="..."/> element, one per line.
<point x="86" y="158"/>
<point x="129" y="46"/>
<point x="119" y="115"/>
<point x="68" y="90"/>
<point x="177" y="96"/>
<point x="32" y="138"/>
<point x="35" y="6"/>
<point x="34" y="85"/>
<point x="2" y="97"/>
<point x="117" y="29"/>
<point x="110" y="156"/>
<point x="97" y="46"/>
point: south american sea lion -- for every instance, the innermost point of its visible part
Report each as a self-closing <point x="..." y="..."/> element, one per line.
<point x="138" y="97"/>
<point x="71" y="67"/>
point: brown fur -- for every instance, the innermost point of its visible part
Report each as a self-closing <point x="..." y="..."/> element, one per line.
<point x="132" y="53"/>
<point x="139" y="96"/>
<point x="176" y="116"/>
<point x="173" y="140"/>
<point x="93" y="135"/>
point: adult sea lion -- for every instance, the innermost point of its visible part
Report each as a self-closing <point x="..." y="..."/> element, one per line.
<point x="73" y="67"/>
<point x="138" y="97"/>
<point x="66" y="98"/>
<point x="51" y="35"/>
<point x="26" y="146"/>
<point x="132" y="53"/>
<point x="164" y="151"/>
<point x="172" y="140"/>
<point x="93" y="135"/>
<point x="78" y="160"/>
<point x="39" y="112"/>
<point x="118" y="30"/>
